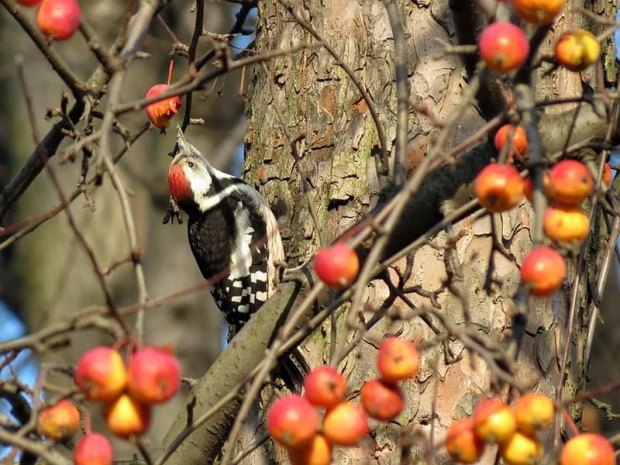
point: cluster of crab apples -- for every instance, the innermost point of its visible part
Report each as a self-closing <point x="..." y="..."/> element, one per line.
<point x="57" y="19"/>
<point x="294" y="420"/>
<point x="127" y="393"/>
<point x="500" y="187"/>
<point x="515" y="430"/>
<point x="504" y="47"/>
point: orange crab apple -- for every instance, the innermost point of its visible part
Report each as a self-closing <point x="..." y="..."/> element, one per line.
<point x="462" y="443"/>
<point x="59" y="19"/>
<point x="325" y="386"/>
<point x="160" y="113"/>
<point x="126" y="417"/>
<point x="494" y="420"/>
<point x="566" y="223"/>
<point x="292" y="420"/>
<point x="521" y="449"/>
<point x="577" y="50"/>
<point x="533" y="412"/>
<point x="318" y="451"/>
<point x="398" y="359"/>
<point x="518" y="141"/>
<point x="607" y="174"/>
<point x="381" y="399"/>
<point x="503" y="46"/>
<point x="538" y="11"/>
<point x="345" y="424"/>
<point x="542" y="271"/>
<point x="499" y="187"/>
<point x="100" y="374"/>
<point x="337" y="266"/>
<point x="570" y="181"/>
<point x="60" y="421"/>
<point x="154" y="375"/>
<point x="93" y="449"/>
<point x="588" y="449"/>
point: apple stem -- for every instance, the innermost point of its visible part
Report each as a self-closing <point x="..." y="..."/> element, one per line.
<point x="87" y="426"/>
<point x="170" y="68"/>
<point x="571" y="424"/>
<point x="175" y="39"/>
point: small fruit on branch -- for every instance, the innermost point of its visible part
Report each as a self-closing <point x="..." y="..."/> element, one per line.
<point x="494" y="420"/>
<point x="93" y="449"/>
<point x="154" y="375"/>
<point x="538" y="11"/>
<point x="125" y="417"/>
<point x="577" y="50"/>
<point x="503" y="46"/>
<point x="60" y="421"/>
<point x="28" y="3"/>
<point x="398" y="359"/>
<point x="588" y="449"/>
<point x="518" y="141"/>
<point x="570" y="181"/>
<point x="521" y="450"/>
<point x="292" y="421"/>
<point x="462" y="443"/>
<point x="566" y="223"/>
<point x="381" y="399"/>
<point x="337" y="266"/>
<point x="59" y="19"/>
<point x="100" y="374"/>
<point x="499" y="187"/>
<point x="542" y="271"/>
<point x="533" y="412"/>
<point x="345" y="425"/>
<point x="318" y="451"/>
<point x="325" y="387"/>
<point x="160" y="113"/>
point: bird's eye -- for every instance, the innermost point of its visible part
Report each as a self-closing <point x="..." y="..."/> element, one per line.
<point x="191" y="164"/>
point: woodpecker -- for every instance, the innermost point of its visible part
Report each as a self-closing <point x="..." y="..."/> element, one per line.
<point x="233" y="233"/>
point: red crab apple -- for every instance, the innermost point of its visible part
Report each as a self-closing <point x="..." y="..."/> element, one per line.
<point x="519" y="139"/>
<point x="570" y="181"/>
<point x="337" y="266"/>
<point x="100" y="374"/>
<point x="160" y="113"/>
<point x="494" y="420"/>
<point x="607" y="174"/>
<point x="28" y="2"/>
<point x="154" y="375"/>
<point x="462" y="443"/>
<point x="521" y="450"/>
<point x="93" y="449"/>
<point x="59" y="19"/>
<point x="538" y="11"/>
<point x="398" y="359"/>
<point x="499" y="187"/>
<point x="345" y="424"/>
<point x="125" y="417"/>
<point x="503" y="46"/>
<point x="533" y="412"/>
<point x="381" y="399"/>
<point x="325" y="386"/>
<point x="587" y="449"/>
<point x="292" y="420"/>
<point x="542" y="271"/>
<point x="318" y="451"/>
<point x="60" y="421"/>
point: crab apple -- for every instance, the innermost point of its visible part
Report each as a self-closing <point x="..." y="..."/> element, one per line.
<point x="577" y="50"/>
<point x="528" y="187"/>
<point x="542" y="271"/>
<point x="566" y="223"/>
<point x="570" y="181"/>
<point x="93" y="449"/>
<point x="503" y="46"/>
<point x="59" y="19"/>
<point x="381" y="399"/>
<point x="521" y="450"/>
<point x="28" y="2"/>
<point x="100" y="374"/>
<point x="398" y="359"/>
<point x="292" y="420"/>
<point x="318" y="451"/>
<point x="538" y="11"/>
<point x="125" y="417"/>
<point x="337" y="266"/>
<point x="533" y="412"/>
<point x="60" y="421"/>
<point x="154" y="375"/>
<point x="494" y="420"/>
<point x="518" y="141"/>
<point x="607" y="174"/>
<point x="462" y="443"/>
<point x="325" y="386"/>
<point x="160" y="113"/>
<point x="345" y="424"/>
<point x="499" y="187"/>
<point x="587" y="449"/>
